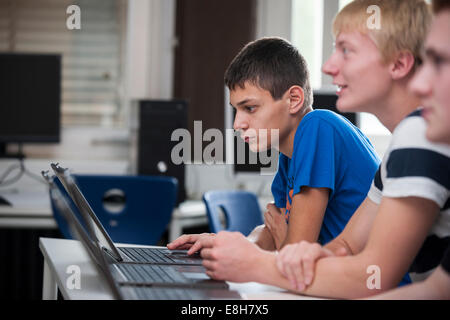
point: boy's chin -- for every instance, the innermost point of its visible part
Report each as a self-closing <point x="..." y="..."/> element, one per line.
<point x="437" y="134"/>
<point x="258" y="148"/>
<point x="348" y="106"/>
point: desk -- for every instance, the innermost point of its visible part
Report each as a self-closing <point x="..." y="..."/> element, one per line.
<point x="59" y="254"/>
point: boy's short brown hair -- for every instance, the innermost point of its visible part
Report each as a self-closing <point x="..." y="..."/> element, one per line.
<point x="272" y="64"/>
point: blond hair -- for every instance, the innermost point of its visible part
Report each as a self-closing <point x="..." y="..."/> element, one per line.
<point x="403" y="25"/>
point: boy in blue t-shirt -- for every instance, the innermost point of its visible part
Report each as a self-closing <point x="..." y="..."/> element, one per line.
<point x="329" y="152"/>
<point x="326" y="164"/>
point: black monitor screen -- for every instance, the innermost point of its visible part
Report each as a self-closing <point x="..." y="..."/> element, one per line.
<point x="327" y="100"/>
<point x="30" y="91"/>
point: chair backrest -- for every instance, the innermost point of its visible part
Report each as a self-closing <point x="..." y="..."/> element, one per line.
<point x="240" y="208"/>
<point x="132" y="209"/>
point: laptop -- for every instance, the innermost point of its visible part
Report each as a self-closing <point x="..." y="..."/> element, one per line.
<point x="106" y="269"/>
<point x="162" y="274"/>
<point x="121" y="254"/>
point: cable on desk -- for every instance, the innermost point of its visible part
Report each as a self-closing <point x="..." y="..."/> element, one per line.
<point x="23" y="170"/>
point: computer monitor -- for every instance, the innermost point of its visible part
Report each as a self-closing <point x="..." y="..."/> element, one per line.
<point x="325" y="99"/>
<point x="30" y="91"/>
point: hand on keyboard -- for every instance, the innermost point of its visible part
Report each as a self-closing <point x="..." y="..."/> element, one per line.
<point x="193" y="242"/>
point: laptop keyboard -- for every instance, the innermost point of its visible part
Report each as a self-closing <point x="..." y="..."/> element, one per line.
<point x="146" y="255"/>
<point x="150" y="293"/>
<point x="148" y="273"/>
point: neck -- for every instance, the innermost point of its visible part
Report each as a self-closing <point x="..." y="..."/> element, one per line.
<point x="396" y="107"/>
<point x="286" y="145"/>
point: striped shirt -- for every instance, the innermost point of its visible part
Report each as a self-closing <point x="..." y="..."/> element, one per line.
<point x="415" y="167"/>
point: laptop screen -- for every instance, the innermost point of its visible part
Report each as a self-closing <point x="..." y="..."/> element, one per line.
<point x="68" y="181"/>
<point x="78" y="232"/>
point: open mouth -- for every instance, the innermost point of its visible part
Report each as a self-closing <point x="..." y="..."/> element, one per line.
<point x="246" y="138"/>
<point x="340" y="89"/>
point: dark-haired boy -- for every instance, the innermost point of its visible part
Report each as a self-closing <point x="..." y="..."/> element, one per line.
<point x="326" y="164"/>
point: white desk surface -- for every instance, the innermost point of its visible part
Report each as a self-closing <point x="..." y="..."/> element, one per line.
<point x="61" y="253"/>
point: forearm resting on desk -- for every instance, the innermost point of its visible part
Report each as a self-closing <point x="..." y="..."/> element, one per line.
<point x="335" y="277"/>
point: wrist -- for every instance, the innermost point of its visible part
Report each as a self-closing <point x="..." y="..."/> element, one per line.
<point x="262" y="261"/>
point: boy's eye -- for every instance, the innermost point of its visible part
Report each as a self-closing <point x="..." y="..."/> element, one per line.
<point x="437" y="60"/>
<point x="249" y="108"/>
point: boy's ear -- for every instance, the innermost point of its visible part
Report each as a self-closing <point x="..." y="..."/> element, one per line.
<point x="402" y="65"/>
<point x="296" y="97"/>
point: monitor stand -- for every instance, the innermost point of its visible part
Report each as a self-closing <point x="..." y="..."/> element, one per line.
<point x="20" y="156"/>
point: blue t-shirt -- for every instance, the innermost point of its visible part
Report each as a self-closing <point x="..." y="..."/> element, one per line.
<point x="329" y="152"/>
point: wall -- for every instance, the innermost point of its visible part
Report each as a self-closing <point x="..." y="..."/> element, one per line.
<point x="149" y="61"/>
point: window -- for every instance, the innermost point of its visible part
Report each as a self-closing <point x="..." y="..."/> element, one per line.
<point x="343" y="3"/>
<point x="91" y="56"/>
<point x="307" y="34"/>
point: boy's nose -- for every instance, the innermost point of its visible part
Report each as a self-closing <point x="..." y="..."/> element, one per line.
<point x="240" y="122"/>
<point x="329" y="67"/>
<point x="421" y="85"/>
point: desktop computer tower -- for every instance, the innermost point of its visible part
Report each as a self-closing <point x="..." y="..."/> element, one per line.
<point x="155" y="121"/>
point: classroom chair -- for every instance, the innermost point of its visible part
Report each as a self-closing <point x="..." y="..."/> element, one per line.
<point x="241" y="211"/>
<point x="132" y="209"/>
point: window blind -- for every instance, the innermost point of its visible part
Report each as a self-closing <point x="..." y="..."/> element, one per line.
<point x="91" y="56"/>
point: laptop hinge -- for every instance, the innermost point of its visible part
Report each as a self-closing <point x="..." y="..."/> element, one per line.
<point x="112" y="256"/>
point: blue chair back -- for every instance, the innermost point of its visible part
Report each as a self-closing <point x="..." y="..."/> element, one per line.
<point x="132" y="209"/>
<point x="241" y="210"/>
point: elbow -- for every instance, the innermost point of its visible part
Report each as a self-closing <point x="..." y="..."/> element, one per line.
<point x="370" y="280"/>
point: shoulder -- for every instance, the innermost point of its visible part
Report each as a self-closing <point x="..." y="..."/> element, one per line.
<point x="322" y="121"/>
<point x="414" y="166"/>
<point x="410" y="134"/>
<point x="321" y="115"/>
<point x="414" y="123"/>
